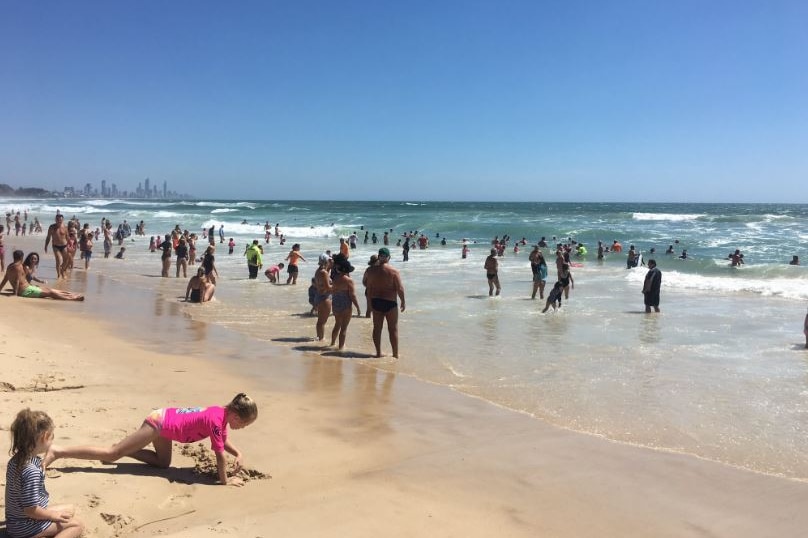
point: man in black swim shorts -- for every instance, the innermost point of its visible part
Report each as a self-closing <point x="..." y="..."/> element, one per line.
<point x="57" y="236"/>
<point x="384" y="287"/>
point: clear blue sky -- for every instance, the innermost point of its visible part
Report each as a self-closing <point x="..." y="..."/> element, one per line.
<point x="641" y="100"/>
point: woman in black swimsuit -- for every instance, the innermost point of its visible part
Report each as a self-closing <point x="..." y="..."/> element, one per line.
<point x="565" y="277"/>
<point x="199" y="290"/>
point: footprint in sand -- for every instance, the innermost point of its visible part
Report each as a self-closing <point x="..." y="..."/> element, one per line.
<point x="117" y="521"/>
<point x="93" y="500"/>
<point x="174" y="501"/>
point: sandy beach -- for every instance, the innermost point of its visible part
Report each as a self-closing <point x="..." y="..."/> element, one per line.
<point x="349" y="450"/>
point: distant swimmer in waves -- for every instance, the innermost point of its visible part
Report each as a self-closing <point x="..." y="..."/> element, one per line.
<point x="795" y="260"/>
<point x="736" y="258"/>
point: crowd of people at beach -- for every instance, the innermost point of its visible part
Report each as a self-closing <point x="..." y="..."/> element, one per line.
<point x="179" y="248"/>
<point x="332" y="292"/>
<point x="28" y="510"/>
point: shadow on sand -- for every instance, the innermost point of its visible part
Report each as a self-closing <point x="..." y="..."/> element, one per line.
<point x="172" y="474"/>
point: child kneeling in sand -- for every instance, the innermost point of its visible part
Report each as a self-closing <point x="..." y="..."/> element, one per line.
<point x="27" y="511"/>
<point x="182" y="424"/>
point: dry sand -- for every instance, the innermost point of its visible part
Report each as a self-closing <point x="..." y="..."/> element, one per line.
<point x="351" y="451"/>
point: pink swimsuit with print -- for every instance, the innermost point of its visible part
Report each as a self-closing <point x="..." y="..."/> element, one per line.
<point x="191" y="424"/>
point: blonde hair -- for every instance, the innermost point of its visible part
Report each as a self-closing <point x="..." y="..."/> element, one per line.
<point x="243" y="406"/>
<point x="26" y="430"/>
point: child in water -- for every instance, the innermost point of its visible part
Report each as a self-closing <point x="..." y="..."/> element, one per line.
<point x="184" y="425"/>
<point x="554" y="298"/>
<point x="27" y="511"/>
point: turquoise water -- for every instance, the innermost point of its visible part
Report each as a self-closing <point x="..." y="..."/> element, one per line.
<point x="721" y="373"/>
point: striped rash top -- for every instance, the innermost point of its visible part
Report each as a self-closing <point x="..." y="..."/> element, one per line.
<point x="25" y="488"/>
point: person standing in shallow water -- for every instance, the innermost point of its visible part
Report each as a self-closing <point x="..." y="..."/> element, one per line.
<point x="57" y="236"/>
<point x="383" y="287"/>
<point x="805" y="330"/>
<point x="539" y="268"/>
<point x="166" y="247"/>
<point x="491" y="267"/>
<point x="343" y="296"/>
<point x="651" y="287"/>
<point x="293" y="257"/>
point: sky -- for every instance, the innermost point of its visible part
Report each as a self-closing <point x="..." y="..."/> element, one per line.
<point x="624" y="101"/>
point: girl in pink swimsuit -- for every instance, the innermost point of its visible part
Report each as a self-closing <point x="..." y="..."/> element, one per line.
<point x="181" y="424"/>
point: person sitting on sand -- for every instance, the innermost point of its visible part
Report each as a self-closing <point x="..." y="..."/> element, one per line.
<point x="30" y="265"/>
<point x="28" y="512"/>
<point x="15" y="275"/>
<point x="185" y="425"/>
<point x="200" y="289"/>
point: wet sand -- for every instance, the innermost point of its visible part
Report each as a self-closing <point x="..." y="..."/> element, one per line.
<point x="351" y="451"/>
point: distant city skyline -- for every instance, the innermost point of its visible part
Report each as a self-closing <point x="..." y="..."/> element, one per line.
<point x="528" y="100"/>
<point x="144" y="190"/>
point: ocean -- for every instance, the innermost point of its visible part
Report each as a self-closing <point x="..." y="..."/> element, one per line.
<point x="721" y="373"/>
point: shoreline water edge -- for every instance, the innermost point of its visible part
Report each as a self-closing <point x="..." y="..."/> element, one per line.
<point x="720" y="374"/>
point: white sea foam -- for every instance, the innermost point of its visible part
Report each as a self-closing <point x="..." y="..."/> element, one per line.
<point x="70" y="210"/>
<point x="224" y="210"/>
<point x="235" y="228"/>
<point x="788" y="288"/>
<point x="119" y="201"/>
<point x="169" y="215"/>
<point x="313" y="231"/>
<point x="770" y="217"/>
<point x="666" y="216"/>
